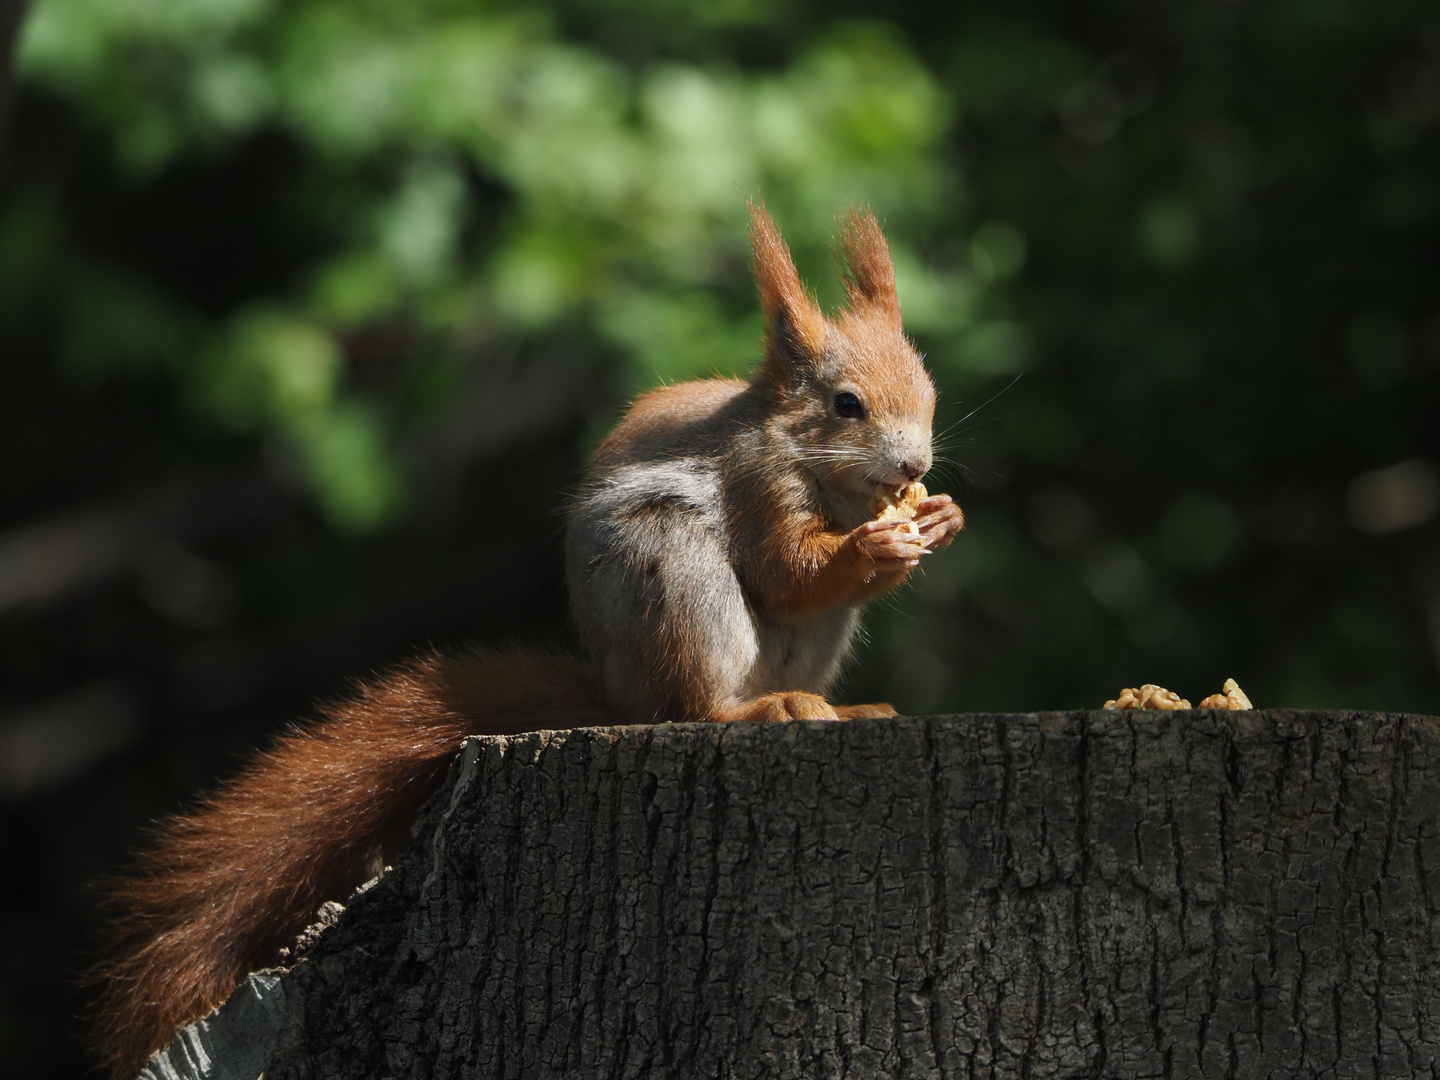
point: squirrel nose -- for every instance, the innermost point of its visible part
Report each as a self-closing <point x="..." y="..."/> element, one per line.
<point x="913" y="469"/>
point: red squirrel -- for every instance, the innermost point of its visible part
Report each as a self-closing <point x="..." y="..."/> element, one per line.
<point x="718" y="554"/>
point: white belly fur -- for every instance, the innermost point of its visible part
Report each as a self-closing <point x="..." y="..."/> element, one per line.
<point x="803" y="655"/>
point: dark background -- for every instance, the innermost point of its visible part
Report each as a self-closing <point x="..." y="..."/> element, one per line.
<point x="309" y="312"/>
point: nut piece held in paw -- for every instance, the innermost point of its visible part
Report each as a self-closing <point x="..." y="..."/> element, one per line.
<point x="1232" y="698"/>
<point x="898" y="504"/>
<point x="1148" y="696"/>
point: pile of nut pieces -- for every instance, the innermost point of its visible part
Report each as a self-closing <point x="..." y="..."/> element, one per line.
<point x="1151" y="696"/>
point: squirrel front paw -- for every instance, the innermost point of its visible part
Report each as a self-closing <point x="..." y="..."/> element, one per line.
<point x="939" y="518"/>
<point x="890" y="545"/>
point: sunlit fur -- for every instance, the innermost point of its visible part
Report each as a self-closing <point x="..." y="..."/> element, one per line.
<point x="710" y="555"/>
<point x="718" y="555"/>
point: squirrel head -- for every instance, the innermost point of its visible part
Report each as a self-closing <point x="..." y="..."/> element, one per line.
<point x="850" y="393"/>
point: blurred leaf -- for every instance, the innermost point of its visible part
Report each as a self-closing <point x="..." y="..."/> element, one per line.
<point x="997" y="251"/>
<point x="274" y="368"/>
<point x="1169" y="232"/>
<point x="1198" y="531"/>
<point x="347" y="458"/>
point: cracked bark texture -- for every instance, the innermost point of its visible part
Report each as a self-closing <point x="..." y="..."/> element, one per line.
<point x="1190" y="894"/>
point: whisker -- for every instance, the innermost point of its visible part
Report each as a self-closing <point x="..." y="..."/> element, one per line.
<point x="977" y="408"/>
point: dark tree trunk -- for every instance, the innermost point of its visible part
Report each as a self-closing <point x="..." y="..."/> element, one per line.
<point x="1077" y="894"/>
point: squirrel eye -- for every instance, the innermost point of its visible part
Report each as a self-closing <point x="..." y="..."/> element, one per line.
<point x="849" y="406"/>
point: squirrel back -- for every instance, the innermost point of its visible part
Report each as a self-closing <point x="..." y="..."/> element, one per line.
<point x="717" y="557"/>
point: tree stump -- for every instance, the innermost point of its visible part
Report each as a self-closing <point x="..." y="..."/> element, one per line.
<point x="1142" y="894"/>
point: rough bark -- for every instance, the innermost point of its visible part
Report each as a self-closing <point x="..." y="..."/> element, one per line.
<point x="1045" y="895"/>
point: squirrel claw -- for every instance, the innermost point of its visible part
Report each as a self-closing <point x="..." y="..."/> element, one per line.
<point x="888" y="542"/>
<point x="869" y="528"/>
<point x="939" y="526"/>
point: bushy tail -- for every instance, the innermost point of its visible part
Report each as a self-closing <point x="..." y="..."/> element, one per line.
<point x="230" y="882"/>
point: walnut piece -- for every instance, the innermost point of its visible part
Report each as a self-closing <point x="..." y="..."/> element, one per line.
<point x="1148" y="696"/>
<point x="1232" y="698"/>
<point x="1151" y="696"/>
<point x="898" y="504"/>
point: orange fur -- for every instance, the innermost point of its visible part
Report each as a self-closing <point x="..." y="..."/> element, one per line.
<point x="795" y="325"/>
<point x="883" y="361"/>
<point x="869" y="273"/>
<point x="803" y="562"/>
<point x="809" y="567"/>
<point x="664" y="417"/>
<point x="778" y="707"/>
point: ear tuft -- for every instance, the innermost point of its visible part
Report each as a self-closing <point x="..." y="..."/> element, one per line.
<point x="796" y="326"/>
<point x="865" y="260"/>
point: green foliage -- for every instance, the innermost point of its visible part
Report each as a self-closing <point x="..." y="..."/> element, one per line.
<point x="1204" y="237"/>
<point x="603" y="194"/>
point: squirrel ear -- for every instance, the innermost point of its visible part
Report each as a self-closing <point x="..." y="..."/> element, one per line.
<point x="865" y="260"/>
<point x="796" y="331"/>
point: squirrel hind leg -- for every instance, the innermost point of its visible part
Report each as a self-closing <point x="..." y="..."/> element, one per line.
<point x="880" y="710"/>
<point x="661" y="609"/>
<point x="789" y="705"/>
